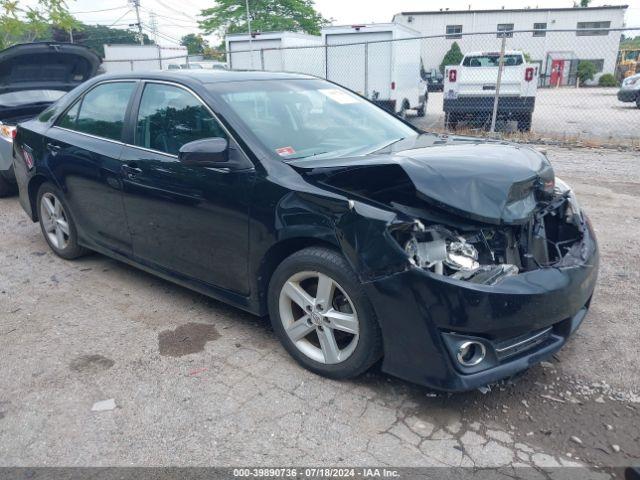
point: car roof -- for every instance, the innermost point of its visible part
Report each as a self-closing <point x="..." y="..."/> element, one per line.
<point x="207" y="76"/>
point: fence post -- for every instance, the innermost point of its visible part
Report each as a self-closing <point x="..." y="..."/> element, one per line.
<point x="262" y="59"/>
<point x="497" y="97"/>
<point x="366" y="70"/>
<point x="326" y="61"/>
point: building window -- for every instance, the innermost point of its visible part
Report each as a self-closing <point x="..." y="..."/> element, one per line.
<point x="541" y="27"/>
<point x="584" y="28"/>
<point x="599" y="63"/>
<point x="505" y="30"/>
<point x="454" y="31"/>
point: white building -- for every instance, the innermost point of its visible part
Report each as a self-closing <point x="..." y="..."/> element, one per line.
<point x="558" y="54"/>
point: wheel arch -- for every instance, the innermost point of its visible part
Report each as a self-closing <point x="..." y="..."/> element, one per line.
<point x="32" y="189"/>
<point x="277" y="253"/>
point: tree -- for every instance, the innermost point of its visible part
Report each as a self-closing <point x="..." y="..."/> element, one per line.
<point x="20" y="25"/>
<point x="586" y="71"/>
<point x="453" y="57"/>
<point x="196" y="45"/>
<point x="230" y="16"/>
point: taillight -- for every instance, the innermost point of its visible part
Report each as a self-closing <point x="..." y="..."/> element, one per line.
<point x="453" y="75"/>
<point x="528" y="74"/>
<point x="393" y="85"/>
<point x="28" y="158"/>
<point x="8" y="132"/>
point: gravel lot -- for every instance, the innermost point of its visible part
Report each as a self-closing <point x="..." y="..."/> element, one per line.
<point x="199" y="383"/>
<point x="592" y="114"/>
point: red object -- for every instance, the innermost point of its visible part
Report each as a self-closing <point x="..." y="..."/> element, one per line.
<point x="557" y="69"/>
<point x="528" y="74"/>
<point x="284" y="151"/>
<point x="393" y="85"/>
<point x="28" y="158"/>
<point x="197" y="371"/>
<point x="453" y="75"/>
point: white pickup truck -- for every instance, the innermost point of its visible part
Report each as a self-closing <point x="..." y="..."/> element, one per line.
<point x="470" y="88"/>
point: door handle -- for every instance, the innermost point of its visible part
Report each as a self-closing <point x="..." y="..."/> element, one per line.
<point x="131" y="171"/>
<point x="53" y="148"/>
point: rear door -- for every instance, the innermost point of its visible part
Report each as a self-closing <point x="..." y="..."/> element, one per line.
<point x="478" y="75"/>
<point x="346" y="63"/>
<point x="185" y="219"/>
<point x="84" y="148"/>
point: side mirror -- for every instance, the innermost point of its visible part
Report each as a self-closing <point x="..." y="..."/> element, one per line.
<point x="208" y="152"/>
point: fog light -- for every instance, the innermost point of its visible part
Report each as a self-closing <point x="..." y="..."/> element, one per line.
<point x="471" y="353"/>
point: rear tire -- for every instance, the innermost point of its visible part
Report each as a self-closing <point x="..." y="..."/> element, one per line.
<point x="450" y="121"/>
<point x="334" y="334"/>
<point x="7" y="188"/>
<point x="57" y="225"/>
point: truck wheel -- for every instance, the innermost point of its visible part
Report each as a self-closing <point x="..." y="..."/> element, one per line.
<point x="450" y="121"/>
<point x="524" y="122"/>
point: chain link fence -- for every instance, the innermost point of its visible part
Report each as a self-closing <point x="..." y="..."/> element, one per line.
<point x="538" y="85"/>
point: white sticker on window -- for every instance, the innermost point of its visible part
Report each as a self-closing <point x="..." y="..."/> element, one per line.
<point x="338" y="95"/>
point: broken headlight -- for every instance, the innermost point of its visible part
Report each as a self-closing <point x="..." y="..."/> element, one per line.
<point x="446" y="253"/>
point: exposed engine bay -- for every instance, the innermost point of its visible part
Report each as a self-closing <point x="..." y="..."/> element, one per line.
<point x="488" y="254"/>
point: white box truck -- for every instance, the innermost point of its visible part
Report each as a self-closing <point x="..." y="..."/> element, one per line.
<point x="120" y="58"/>
<point x="276" y="51"/>
<point x="470" y="89"/>
<point x="376" y="61"/>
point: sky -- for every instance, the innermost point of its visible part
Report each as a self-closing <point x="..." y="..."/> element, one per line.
<point x="175" y="19"/>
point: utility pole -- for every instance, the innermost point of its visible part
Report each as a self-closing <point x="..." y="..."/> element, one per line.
<point x="249" y="26"/>
<point x="136" y="5"/>
<point x="153" y="26"/>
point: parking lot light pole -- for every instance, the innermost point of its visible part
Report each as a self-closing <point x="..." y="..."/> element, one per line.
<point x="497" y="97"/>
<point x="249" y="27"/>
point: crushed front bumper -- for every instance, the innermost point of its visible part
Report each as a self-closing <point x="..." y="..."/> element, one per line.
<point x="417" y="309"/>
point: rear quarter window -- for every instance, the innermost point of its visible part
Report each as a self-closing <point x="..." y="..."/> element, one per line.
<point x="101" y="111"/>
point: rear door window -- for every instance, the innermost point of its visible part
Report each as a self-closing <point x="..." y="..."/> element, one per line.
<point x="101" y="112"/>
<point x="170" y="116"/>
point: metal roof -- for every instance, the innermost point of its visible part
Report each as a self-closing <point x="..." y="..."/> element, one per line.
<point x="502" y="10"/>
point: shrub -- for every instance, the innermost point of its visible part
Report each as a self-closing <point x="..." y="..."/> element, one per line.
<point x="453" y="57"/>
<point x="607" y="80"/>
<point x="586" y="71"/>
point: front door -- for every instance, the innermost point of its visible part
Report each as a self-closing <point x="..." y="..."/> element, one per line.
<point x="557" y="72"/>
<point x="185" y="219"/>
<point x="84" y="148"/>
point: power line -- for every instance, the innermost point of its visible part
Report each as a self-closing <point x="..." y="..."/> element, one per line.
<point x="102" y="10"/>
<point x="120" y="18"/>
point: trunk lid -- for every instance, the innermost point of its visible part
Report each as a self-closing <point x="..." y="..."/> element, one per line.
<point x="46" y="66"/>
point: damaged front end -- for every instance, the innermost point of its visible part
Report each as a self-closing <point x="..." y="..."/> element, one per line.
<point x="480" y="268"/>
<point x="486" y="254"/>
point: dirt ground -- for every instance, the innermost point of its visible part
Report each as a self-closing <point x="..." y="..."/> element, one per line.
<point x="196" y="382"/>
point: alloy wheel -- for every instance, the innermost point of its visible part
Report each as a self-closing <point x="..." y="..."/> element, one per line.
<point x="319" y="317"/>
<point x="54" y="221"/>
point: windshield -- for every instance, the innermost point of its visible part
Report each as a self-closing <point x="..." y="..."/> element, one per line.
<point x="491" y="60"/>
<point x="27" y="97"/>
<point x="304" y="118"/>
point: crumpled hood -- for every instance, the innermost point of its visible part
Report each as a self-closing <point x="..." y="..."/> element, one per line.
<point x="493" y="182"/>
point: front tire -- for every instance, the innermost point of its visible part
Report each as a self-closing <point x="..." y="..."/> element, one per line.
<point x="322" y="316"/>
<point x="56" y="223"/>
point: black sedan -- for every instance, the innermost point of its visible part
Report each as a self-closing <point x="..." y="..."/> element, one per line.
<point x="455" y="261"/>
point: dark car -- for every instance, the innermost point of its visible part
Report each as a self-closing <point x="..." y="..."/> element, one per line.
<point x="434" y="79"/>
<point x="32" y="77"/>
<point x="456" y="261"/>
